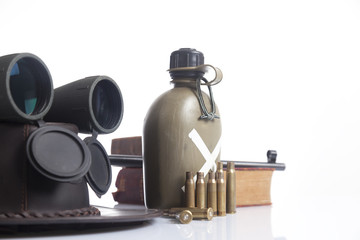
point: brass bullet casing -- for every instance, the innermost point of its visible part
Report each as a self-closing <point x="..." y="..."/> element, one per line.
<point x="184" y="216"/>
<point x="200" y="191"/>
<point x="221" y="194"/>
<point x="211" y="192"/>
<point x="197" y="213"/>
<point x="230" y="188"/>
<point x="219" y="168"/>
<point x="189" y="190"/>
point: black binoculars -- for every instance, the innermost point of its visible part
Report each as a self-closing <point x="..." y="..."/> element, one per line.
<point x="93" y="104"/>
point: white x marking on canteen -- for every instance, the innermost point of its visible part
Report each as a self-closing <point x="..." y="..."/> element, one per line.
<point x="209" y="157"/>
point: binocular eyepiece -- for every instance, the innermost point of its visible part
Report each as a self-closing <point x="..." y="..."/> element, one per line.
<point x="94" y="104"/>
<point x="26" y="88"/>
<point x="26" y="95"/>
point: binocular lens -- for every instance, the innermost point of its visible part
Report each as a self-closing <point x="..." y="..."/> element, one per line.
<point x="30" y="86"/>
<point x="106" y="102"/>
<point x="23" y="86"/>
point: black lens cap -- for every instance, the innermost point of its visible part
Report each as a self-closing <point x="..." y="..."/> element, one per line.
<point x="58" y="154"/>
<point x="99" y="175"/>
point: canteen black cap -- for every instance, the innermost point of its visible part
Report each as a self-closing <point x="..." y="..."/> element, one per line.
<point x="26" y="88"/>
<point x="186" y="57"/>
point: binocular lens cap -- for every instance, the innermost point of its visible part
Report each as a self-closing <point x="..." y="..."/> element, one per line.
<point x="99" y="175"/>
<point x="58" y="153"/>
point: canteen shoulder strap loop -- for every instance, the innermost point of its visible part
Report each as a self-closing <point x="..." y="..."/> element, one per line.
<point x="205" y="113"/>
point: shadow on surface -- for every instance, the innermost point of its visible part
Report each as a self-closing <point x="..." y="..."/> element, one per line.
<point x="67" y="229"/>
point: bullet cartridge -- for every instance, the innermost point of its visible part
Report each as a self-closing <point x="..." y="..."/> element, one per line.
<point x="197" y="213"/>
<point x="211" y="192"/>
<point x="184" y="216"/>
<point x="219" y="168"/>
<point x="221" y="194"/>
<point x="189" y="190"/>
<point x="200" y="191"/>
<point x="230" y="188"/>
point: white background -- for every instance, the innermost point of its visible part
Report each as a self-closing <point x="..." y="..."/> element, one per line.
<point x="291" y="72"/>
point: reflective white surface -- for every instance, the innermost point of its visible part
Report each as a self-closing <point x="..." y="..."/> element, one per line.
<point x="317" y="217"/>
<point x="307" y="218"/>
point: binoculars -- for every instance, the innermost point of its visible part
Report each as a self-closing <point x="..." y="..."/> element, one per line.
<point x="92" y="105"/>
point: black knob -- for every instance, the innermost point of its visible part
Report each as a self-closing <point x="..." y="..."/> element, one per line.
<point x="271" y="155"/>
